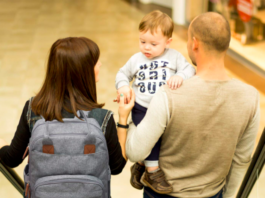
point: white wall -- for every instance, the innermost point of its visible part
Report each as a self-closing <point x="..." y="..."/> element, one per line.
<point x="179" y="12"/>
<point x="165" y="3"/>
<point x="183" y="11"/>
<point x="178" y="8"/>
<point x="146" y="1"/>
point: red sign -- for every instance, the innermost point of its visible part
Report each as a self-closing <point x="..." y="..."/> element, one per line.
<point x="245" y="9"/>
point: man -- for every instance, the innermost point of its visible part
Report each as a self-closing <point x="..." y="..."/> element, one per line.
<point x="209" y="124"/>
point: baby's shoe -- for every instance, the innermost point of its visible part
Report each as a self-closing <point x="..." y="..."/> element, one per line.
<point x="157" y="182"/>
<point x="137" y="171"/>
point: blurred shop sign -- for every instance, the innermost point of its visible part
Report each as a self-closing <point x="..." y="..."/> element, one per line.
<point x="245" y="8"/>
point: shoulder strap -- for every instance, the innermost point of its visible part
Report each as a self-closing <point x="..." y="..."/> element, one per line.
<point x="29" y="110"/>
<point x="102" y="116"/>
<point x="31" y="117"/>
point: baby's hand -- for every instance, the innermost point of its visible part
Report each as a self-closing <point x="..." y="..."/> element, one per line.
<point x="175" y="82"/>
<point x="126" y="92"/>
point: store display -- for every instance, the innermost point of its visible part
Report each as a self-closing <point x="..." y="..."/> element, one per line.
<point x="245" y="10"/>
<point x="246" y="18"/>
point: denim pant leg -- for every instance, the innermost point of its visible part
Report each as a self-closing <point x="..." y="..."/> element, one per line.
<point x="154" y="155"/>
<point x="218" y="195"/>
<point x="138" y="113"/>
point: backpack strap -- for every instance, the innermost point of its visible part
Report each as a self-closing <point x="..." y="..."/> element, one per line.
<point x="102" y="116"/>
<point x="31" y="117"/>
<point x="29" y="110"/>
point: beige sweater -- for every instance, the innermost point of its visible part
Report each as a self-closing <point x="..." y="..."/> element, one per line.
<point x="209" y="130"/>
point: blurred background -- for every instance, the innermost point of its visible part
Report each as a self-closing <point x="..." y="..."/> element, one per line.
<point x="28" y="28"/>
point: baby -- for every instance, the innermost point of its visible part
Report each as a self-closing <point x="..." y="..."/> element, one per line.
<point x="153" y="67"/>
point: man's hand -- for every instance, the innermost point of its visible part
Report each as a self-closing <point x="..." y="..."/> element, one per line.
<point x="126" y="91"/>
<point x="175" y="82"/>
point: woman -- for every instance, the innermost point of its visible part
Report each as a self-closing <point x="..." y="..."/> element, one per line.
<point x="70" y="85"/>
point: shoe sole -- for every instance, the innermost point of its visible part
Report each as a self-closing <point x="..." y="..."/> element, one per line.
<point x="145" y="183"/>
<point x="138" y="188"/>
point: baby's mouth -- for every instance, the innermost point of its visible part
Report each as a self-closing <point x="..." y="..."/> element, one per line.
<point x="147" y="54"/>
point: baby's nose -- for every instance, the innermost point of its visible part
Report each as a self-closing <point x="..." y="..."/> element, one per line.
<point x="147" y="47"/>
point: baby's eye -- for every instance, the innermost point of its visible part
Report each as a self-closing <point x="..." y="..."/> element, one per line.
<point x="153" y="44"/>
<point x="142" y="42"/>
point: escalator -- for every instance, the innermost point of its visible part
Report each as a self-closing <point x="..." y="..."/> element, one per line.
<point x="12" y="177"/>
<point x="255" y="177"/>
<point x="251" y="180"/>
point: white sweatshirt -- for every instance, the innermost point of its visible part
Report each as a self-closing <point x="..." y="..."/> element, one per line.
<point x="151" y="74"/>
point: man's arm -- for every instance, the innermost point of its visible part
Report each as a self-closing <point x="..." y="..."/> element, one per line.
<point x="141" y="139"/>
<point x="242" y="156"/>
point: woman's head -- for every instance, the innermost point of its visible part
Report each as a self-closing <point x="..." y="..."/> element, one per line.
<point x="70" y="81"/>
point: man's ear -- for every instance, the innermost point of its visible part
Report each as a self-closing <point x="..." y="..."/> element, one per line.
<point x="168" y="42"/>
<point x="195" y="44"/>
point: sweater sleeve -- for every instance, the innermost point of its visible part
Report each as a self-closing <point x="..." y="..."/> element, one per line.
<point x="242" y="156"/>
<point x="125" y="75"/>
<point x="12" y="155"/>
<point x="184" y="68"/>
<point x="151" y="128"/>
<point x="116" y="160"/>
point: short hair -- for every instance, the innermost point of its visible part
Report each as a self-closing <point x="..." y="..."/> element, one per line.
<point x="157" y="19"/>
<point x="213" y="30"/>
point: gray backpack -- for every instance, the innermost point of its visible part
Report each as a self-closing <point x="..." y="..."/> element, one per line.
<point x="69" y="159"/>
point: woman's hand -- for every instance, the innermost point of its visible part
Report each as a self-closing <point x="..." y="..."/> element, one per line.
<point x="126" y="91"/>
<point x="125" y="109"/>
<point x="2" y="143"/>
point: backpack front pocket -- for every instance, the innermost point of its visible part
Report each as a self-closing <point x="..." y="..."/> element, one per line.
<point x="68" y="186"/>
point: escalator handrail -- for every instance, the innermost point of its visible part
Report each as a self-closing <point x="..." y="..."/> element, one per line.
<point x="12" y="177"/>
<point x="256" y="164"/>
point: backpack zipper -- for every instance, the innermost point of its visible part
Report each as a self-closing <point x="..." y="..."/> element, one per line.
<point x="68" y="181"/>
<point x="25" y="153"/>
<point x="27" y="191"/>
<point x="58" y="134"/>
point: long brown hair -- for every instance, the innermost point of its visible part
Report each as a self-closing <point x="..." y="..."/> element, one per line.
<point x="70" y="79"/>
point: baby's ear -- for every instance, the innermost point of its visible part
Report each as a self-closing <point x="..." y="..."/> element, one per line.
<point x="168" y="42"/>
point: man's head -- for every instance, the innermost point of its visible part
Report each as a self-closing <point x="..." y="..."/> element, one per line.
<point x="210" y="33"/>
<point x="156" y="30"/>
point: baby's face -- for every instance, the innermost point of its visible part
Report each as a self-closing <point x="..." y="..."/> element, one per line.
<point x="153" y="45"/>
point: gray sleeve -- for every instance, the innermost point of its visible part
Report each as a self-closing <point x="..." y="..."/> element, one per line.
<point x="125" y="75"/>
<point x="151" y="128"/>
<point x="184" y="68"/>
<point x="242" y="156"/>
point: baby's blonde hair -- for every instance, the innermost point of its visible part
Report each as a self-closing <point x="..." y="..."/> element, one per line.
<point x="155" y="20"/>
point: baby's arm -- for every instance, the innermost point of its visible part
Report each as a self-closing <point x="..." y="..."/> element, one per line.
<point x="175" y="82"/>
<point x="184" y="68"/>
<point x="184" y="71"/>
<point x="122" y="82"/>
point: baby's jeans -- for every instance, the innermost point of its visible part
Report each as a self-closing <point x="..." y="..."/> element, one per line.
<point x="138" y="113"/>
